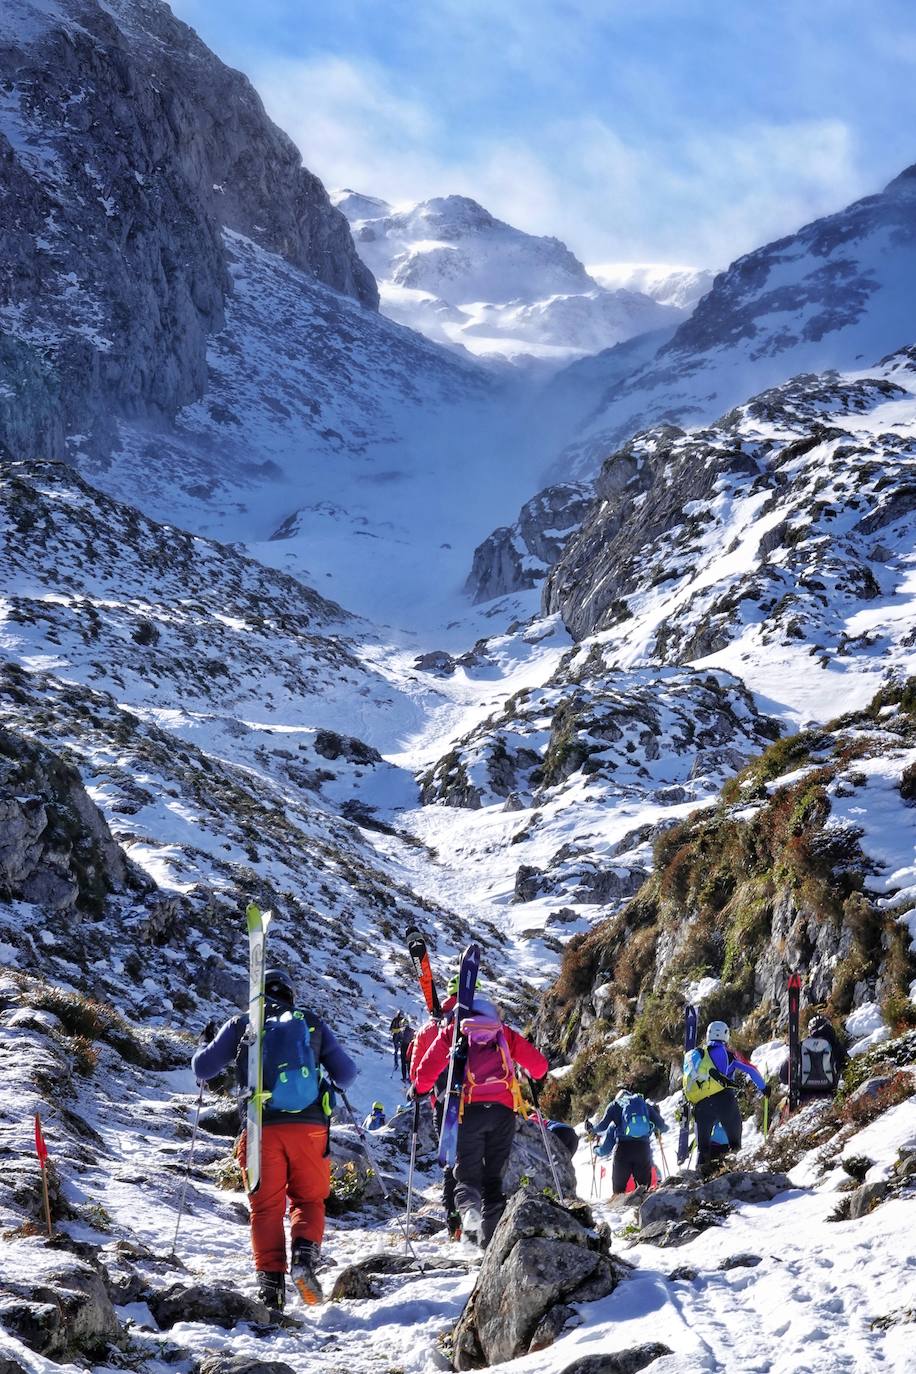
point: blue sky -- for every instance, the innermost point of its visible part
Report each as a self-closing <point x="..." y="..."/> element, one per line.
<point x="684" y="131"/>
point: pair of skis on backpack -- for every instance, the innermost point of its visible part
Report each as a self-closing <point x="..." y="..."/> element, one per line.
<point x="468" y="970"/>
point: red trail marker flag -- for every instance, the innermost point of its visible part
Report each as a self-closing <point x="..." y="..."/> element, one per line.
<point x="41" y="1150"/>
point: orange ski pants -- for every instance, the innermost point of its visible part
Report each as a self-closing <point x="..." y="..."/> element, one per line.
<point x="295" y="1164"/>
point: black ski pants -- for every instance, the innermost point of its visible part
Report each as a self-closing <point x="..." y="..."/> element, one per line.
<point x="722" y="1107"/>
<point x="632" y="1158"/>
<point x="485" y="1139"/>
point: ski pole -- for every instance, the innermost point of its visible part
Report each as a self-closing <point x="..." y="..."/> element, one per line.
<point x="415" y="1134"/>
<point x="187" y="1172"/>
<point x="766" y="1115"/>
<point x="591" y="1147"/>
<point x="550" y="1159"/>
<point x="364" y="1141"/>
<point x="662" y="1149"/>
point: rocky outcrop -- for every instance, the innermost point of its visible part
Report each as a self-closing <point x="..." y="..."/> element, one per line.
<point x="56" y="850"/>
<point x="542" y="1260"/>
<point x="126" y="148"/>
<point x="518" y="557"/>
<point x="64" y="1312"/>
<point x="684" y="1207"/>
<point x="673" y="505"/>
<point x="776" y="876"/>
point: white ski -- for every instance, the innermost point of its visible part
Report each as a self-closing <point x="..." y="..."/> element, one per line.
<point x="258" y="922"/>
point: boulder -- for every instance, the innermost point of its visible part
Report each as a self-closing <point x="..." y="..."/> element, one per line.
<point x="205" y="1303"/>
<point x="66" y="1313"/>
<point x="621" y="1362"/>
<point x="541" y="1258"/>
<point x="241" y="1364"/>
<point x="866" y="1198"/>
<point x="528" y="1162"/>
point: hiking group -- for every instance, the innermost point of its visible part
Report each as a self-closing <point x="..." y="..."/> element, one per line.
<point x="465" y="1063"/>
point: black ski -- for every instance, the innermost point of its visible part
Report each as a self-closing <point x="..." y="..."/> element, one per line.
<point x="794" y="1041"/>
<point x="467" y="982"/>
<point x="690" y="1043"/>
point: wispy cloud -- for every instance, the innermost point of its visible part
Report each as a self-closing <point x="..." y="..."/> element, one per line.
<point x="662" y="130"/>
<point x="700" y="197"/>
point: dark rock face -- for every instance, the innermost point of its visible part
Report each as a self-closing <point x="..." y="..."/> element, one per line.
<point x="242" y="1364"/>
<point x="515" y="558"/>
<point x="126" y="148"/>
<point x="541" y="1259"/>
<point x="55" y="846"/>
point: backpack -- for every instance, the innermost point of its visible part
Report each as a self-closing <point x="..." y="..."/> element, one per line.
<point x="636" y="1123"/>
<point x="818" y="1069"/>
<point x="698" y="1080"/>
<point x="290" y="1073"/>
<point x="489" y="1062"/>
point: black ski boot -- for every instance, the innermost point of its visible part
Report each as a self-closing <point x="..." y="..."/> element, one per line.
<point x="272" y="1290"/>
<point x="302" y="1271"/>
<point x="453" y="1222"/>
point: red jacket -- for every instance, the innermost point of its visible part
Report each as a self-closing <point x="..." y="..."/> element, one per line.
<point x="432" y="1057"/>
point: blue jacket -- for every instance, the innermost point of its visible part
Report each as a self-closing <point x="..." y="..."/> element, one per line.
<point x="228" y="1045"/>
<point x="610" y="1125"/>
<point x="728" y="1064"/>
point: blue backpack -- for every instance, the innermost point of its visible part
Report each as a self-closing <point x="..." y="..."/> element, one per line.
<point x="290" y="1073"/>
<point x="636" y="1123"/>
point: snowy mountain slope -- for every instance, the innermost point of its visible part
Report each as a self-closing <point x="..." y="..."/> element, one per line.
<point x="449" y="269"/>
<point x="115" y="201"/>
<point x="777" y="543"/>
<point x="324" y="420"/>
<point x="834" y="294"/>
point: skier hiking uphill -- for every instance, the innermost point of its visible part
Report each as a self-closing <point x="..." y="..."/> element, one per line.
<point x="376" y="1118"/>
<point x="628" y="1125"/>
<point x="401" y="1033"/>
<point x="709" y="1086"/>
<point x="822" y="1060"/>
<point x="302" y="1062"/>
<point x="490" y="1097"/>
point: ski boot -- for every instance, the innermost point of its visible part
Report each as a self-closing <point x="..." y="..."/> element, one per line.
<point x="471" y="1222"/>
<point x="453" y="1224"/>
<point x="302" y="1271"/>
<point x="272" y="1290"/>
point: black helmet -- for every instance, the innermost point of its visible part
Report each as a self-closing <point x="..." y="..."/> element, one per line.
<point x="818" y="1024"/>
<point x="278" y="986"/>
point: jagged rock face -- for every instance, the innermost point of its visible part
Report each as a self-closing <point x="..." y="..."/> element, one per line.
<point x="775" y="525"/>
<point x="55" y="846"/>
<point x="126" y="147"/>
<point x="517" y="557"/>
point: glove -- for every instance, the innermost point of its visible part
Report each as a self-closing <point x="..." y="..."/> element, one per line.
<point x="410" y="1092"/>
<point x="209" y="1032"/>
<point x="534" y="1087"/>
<point x="589" y="1129"/>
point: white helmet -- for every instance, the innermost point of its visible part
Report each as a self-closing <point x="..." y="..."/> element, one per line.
<point x="717" y="1030"/>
